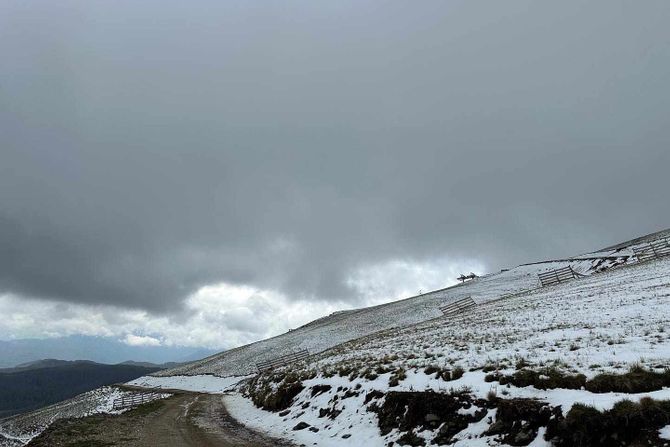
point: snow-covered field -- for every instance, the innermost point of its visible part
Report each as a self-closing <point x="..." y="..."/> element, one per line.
<point x="20" y="429"/>
<point x="606" y="322"/>
<point x="599" y="323"/>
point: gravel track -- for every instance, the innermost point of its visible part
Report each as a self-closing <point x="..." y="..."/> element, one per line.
<point x="186" y="419"/>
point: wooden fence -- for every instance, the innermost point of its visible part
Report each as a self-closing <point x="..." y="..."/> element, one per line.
<point x="557" y="276"/>
<point x="653" y="250"/>
<point x="283" y="360"/>
<point x="134" y="399"/>
<point x="456" y="307"/>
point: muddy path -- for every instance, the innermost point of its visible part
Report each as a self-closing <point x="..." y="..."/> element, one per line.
<point x="198" y="420"/>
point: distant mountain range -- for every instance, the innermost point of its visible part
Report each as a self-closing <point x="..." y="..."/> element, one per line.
<point x="98" y="349"/>
<point x="37" y="384"/>
<point x="55" y="363"/>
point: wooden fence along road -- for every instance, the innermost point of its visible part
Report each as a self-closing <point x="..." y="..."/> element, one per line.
<point x="283" y="360"/>
<point x="557" y="276"/>
<point x="458" y="306"/>
<point x="653" y="250"/>
<point x="135" y="399"/>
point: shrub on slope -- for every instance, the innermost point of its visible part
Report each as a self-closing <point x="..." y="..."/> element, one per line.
<point x="627" y="423"/>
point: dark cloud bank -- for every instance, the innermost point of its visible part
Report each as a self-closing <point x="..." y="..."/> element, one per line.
<point x="150" y="148"/>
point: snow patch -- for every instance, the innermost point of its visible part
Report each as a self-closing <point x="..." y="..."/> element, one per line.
<point x="199" y="384"/>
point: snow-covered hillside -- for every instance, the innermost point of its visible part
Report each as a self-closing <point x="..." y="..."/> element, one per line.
<point x="595" y="341"/>
<point x="341" y="327"/>
<point x="607" y="320"/>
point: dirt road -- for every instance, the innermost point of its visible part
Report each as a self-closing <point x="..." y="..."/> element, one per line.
<point x="197" y="420"/>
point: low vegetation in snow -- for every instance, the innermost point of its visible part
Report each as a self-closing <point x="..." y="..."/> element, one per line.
<point x="579" y="364"/>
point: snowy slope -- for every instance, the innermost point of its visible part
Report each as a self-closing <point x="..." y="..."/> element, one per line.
<point x="197" y="384"/>
<point x="604" y="323"/>
<point x="609" y="319"/>
<point x="341" y="327"/>
<point x="344" y="326"/>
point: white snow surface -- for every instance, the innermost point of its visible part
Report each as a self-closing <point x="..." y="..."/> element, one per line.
<point x="364" y="424"/>
<point x="344" y="326"/>
<point x="603" y="322"/>
<point x="199" y="384"/>
<point x="664" y="433"/>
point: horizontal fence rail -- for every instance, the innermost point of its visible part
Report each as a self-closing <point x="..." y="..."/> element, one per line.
<point x="135" y="399"/>
<point x="283" y="360"/>
<point x="457" y="307"/>
<point x="557" y="276"/>
<point x="653" y="250"/>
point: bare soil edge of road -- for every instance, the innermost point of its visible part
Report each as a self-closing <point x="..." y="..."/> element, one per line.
<point x="185" y="419"/>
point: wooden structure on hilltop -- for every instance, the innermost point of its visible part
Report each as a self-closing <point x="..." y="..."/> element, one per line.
<point x="458" y="306"/>
<point x="463" y="277"/>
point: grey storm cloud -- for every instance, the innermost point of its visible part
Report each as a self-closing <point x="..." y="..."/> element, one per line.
<point x="150" y="148"/>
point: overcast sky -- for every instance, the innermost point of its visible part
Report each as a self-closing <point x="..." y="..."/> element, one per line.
<point x="213" y="172"/>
